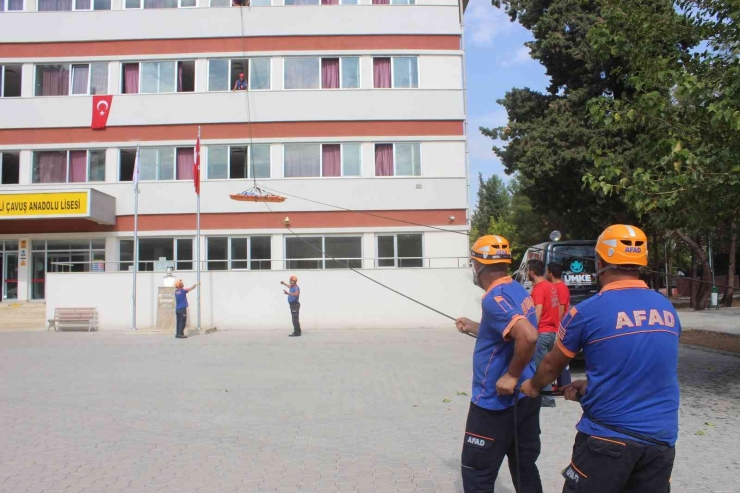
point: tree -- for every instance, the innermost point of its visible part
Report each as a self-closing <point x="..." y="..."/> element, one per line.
<point x="493" y="200"/>
<point x="549" y="135"/>
<point x="680" y="67"/>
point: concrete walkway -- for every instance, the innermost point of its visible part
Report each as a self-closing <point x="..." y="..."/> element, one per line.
<point x="725" y="320"/>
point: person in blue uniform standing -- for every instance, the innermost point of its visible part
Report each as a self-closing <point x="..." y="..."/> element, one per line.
<point x="503" y="357"/>
<point x="629" y="338"/>
<point x="294" y="295"/>
<point x="181" y="307"/>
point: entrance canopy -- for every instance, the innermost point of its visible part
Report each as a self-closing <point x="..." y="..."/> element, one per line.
<point x="88" y="204"/>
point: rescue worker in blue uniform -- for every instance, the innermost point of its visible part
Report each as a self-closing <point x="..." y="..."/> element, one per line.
<point x="629" y="338"/>
<point x="503" y="358"/>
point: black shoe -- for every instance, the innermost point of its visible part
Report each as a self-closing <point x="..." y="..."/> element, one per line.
<point x="295" y="334"/>
<point x="182" y="337"/>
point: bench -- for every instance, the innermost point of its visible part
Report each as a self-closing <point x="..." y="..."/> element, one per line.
<point x="67" y="318"/>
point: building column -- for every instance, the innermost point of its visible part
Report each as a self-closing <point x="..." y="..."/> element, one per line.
<point x="111" y="253"/>
<point x="368" y="250"/>
<point x="24" y="270"/>
<point x="368" y="160"/>
<point x="114" y="76"/>
<point x="278" y="252"/>
<point x="201" y="72"/>
<point x="276" y="68"/>
<point x="27" y="77"/>
<point x="25" y="166"/>
<point x="366" y="72"/>
<point x="111" y="165"/>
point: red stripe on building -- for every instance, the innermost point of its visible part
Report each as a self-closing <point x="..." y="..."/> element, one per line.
<point x="222" y="45"/>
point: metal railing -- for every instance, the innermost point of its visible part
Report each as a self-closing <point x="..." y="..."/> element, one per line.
<point x="315" y="263"/>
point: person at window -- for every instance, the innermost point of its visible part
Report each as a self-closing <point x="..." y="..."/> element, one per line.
<point x="547" y="307"/>
<point x="241" y="83"/>
<point x="294" y="295"/>
<point x="181" y="307"/>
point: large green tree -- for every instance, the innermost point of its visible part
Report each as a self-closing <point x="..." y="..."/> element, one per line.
<point x="679" y="64"/>
<point x="549" y="137"/>
<point x="493" y="201"/>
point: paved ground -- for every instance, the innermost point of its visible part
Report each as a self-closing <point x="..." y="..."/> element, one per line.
<point x="256" y="412"/>
<point x="723" y="320"/>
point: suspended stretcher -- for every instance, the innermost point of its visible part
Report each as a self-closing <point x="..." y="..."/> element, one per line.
<point x="256" y="194"/>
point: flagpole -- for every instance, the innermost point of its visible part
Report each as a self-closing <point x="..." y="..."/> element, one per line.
<point x="136" y="236"/>
<point x="198" y="229"/>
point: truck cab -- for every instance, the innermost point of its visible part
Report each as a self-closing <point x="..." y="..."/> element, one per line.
<point x="579" y="268"/>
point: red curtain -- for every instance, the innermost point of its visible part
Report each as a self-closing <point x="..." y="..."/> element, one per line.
<point x="78" y="166"/>
<point x="381" y="2"/>
<point x="329" y="2"/>
<point x="131" y="78"/>
<point x="55" y="80"/>
<point x="384" y="160"/>
<point x="51" y="167"/>
<point x="330" y="73"/>
<point x="185" y="161"/>
<point x="382" y="72"/>
<point x="331" y="160"/>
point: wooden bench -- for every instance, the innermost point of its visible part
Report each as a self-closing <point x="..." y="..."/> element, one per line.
<point x="67" y="318"/>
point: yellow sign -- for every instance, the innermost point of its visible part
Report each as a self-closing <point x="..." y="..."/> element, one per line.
<point x="43" y="204"/>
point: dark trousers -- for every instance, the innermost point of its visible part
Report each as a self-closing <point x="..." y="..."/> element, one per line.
<point x="613" y="465"/>
<point x="295" y="308"/>
<point x="489" y="436"/>
<point x="181" y="315"/>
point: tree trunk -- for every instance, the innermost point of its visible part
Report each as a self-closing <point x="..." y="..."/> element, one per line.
<point x="693" y="273"/>
<point x="669" y="279"/>
<point x="702" y="295"/>
<point x="731" y="270"/>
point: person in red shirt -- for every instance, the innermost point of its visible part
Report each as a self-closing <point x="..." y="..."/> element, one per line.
<point x="547" y="307"/>
<point x="555" y="275"/>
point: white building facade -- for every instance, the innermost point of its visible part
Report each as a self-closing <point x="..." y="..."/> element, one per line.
<point x="354" y="110"/>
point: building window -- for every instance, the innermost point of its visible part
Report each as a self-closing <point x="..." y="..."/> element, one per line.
<point x="10" y="80"/>
<point x="320" y="2"/>
<point x="317" y="160"/>
<point x="11" y="5"/>
<point x="316" y="252"/>
<point x="236" y="162"/>
<point x="241" y="253"/>
<point x="157" y="164"/>
<point x="63" y="256"/>
<point x="394" y="2"/>
<point x="321" y="73"/>
<point x="398" y="159"/>
<point x="152" y="251"/>
<point x="397" y="72"/>
<point x="64" y="5"/>
<point x="9" y="168"/>
<point x="160" y="4"/>
<point x="401" y="250"/>
<point x="68" y="166"/>
<point x="158" y="77"/>
<point x="225" y="75"/>
<point x="74" y="78"/>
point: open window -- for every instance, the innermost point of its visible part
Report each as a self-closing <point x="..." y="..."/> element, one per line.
<point x="10" y="80"/>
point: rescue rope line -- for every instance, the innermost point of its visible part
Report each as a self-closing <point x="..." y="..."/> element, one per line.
<point x="346" y="265"/>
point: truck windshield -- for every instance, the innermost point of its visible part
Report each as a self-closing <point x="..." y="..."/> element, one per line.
<point x="578" y="264"/>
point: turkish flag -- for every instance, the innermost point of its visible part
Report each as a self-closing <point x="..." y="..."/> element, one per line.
<point x="196" y="166"/>
<point x="100" y="111"/>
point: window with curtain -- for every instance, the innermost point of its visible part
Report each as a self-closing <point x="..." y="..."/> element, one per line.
<point x="381" y="2"/>
<point x="302" y="2"/>
<point x="10" y="80"/>
<point x="75" y="79"/>
<point x="322" y="160"/>
<point x="239" y="253"/>
<point x="237" y="162"/>
<point x="400" y="159"/>
<point x="301" y="160"/>
<point x="11" y="5"/>
<point x="54" y="5"/>
<point x="157" y="164"/>
<point x="316" y="252"/>
<point x="400" y="250"/>
<point x="335" y="73"/>
<point x="223" y="73"/>
<point x="302" y="73"/>
<point x="185" y="157"/>
<point x="396" y="72"/>
<point x="92" y="4"/>
<point x="160" y="4"/>
<point x="68" y="166"/>
<point x="10" y="168"/>
<point x="130" y="78"/>
<point x="382" y="73"/>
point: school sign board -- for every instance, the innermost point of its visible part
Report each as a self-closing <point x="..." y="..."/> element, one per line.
<point x="68" y="204"/>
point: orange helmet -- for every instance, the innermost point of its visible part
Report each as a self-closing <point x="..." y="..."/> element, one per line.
<point x="491" y="249"/>
<point x="622" y="244"/>
<point x="294" y="278"/>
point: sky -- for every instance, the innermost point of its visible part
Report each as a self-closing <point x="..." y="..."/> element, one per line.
<point x="496" y="61"/>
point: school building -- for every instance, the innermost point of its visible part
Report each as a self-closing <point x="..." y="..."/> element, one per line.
<point x="355" y="110"/>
